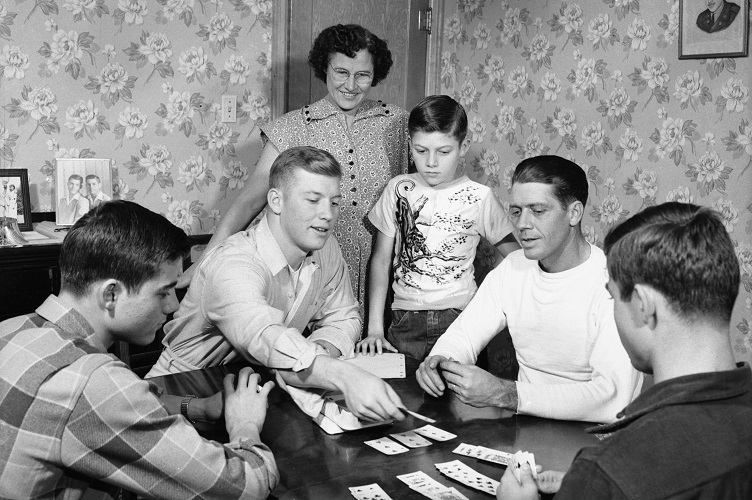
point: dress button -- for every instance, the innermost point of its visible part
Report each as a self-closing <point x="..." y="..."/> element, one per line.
<point x="353" y="189"/>
<point x="352" y="176"/>
<point x="351" y="151"/>
<point x="355" y="203"/>
<point x="352" y="163"/>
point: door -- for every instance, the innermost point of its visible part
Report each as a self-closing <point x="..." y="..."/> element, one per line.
<point x="298" y="22"/>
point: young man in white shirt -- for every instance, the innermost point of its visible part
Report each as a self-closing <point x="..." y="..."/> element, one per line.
<point x="552" y="297"/>
<point x="253" y="296"/>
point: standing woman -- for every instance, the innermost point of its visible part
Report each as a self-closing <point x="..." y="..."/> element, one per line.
<point x="368" y="138"/>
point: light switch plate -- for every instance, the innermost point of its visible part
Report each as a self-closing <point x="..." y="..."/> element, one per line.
<point x="228" y="111"/>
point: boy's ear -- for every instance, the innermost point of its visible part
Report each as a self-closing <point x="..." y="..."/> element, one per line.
<point x="108" y="293"/>
<point x="645" y="301"/>
<point x="465" y="146"/>
<point x="275" y="200"/>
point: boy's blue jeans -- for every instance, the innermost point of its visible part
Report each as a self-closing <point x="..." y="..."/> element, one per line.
<point x="414" y="333"/>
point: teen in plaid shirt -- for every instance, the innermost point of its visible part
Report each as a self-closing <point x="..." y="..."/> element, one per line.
<point x="75" y="422"/>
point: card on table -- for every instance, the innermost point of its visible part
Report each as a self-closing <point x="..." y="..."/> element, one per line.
<point x="387" y="446"/>
<point x="386" y="365"/>
<point x="411" y="439"/>
<point x="432" y="432"/>
<point x="369" y="492"/>
<point x="466" y="475"/>
<point x="430" y="488"/>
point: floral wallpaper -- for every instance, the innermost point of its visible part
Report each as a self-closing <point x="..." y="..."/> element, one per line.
<point x="140" y="82"/>
<point x="600" y="82"/>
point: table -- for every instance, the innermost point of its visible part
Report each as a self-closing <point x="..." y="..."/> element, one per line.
<point x="315" y="465"/>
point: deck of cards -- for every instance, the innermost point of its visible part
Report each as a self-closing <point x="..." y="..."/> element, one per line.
<point x="520" y="458"/>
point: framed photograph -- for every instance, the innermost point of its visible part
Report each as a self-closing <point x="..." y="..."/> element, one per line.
<point x="82" y="184"/>
<point x="14" y="196"/>
<point x="710" y="29"/>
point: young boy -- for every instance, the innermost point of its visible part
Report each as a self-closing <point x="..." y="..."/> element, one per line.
<point x="429" y="226"/>
<point x="75" y="422"/>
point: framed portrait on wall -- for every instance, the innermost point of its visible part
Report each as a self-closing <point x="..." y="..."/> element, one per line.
<point x="14" y="196"/>
<point x="710" y="29"/>
<point x="82" y="184"/>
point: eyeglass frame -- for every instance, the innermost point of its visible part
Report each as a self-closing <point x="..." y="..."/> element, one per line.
<point x="338" y="72"/>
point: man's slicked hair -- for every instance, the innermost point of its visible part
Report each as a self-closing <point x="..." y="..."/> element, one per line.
<point x="308" y="158"/>
<point x="119" y="240"/>
<point x="681" y="250"/>
<point x="567" y="179"/>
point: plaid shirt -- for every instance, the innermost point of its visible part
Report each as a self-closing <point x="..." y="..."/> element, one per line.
<point x="76" y="422"/>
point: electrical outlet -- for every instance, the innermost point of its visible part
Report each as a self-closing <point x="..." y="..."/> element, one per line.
<point x="228" y="112"/>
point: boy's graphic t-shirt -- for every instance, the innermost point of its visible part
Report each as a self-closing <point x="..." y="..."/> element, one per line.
<point x="436" y="232"/>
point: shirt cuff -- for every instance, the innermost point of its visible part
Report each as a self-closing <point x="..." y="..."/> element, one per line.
<point x="338" y="338"/>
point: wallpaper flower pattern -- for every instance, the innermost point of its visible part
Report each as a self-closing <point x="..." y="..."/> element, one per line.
<point x="138" y="81"/>
<point x="600" y="82"/>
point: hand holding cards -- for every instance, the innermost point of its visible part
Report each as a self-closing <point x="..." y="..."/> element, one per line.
<point x="523" y="457"/>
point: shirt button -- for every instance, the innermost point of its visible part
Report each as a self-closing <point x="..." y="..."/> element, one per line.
<point x="355" y="203"/>
<point x="354" y="189"/>
<point x="352" y="176"/>
<point x="289" y="295"/>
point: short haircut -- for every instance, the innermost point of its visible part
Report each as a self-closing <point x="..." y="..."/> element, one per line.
<point x="76" y="177"/>
<point x="349" y="39"/>
<point x="308" y="158"/>
<point x="681" y="250"/>
<point x="92" y="176"/>
<point x="439" y="113"/>
<point x="568" y="180"/>
<point x="119" y="240"/>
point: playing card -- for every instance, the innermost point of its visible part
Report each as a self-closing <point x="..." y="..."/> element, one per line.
<point x="411" y="439"/>
<point x="465" y="475"/>
<point x="465" y="449"/>
<point x="495" y="456"/>
<point x="523" y="457"/>
<point x="369" y="492"/>
<point x="387" y="446"/>
<point x="416" y="478"/>
<point x="450" y="494"/>
<point x="432" y="432"/>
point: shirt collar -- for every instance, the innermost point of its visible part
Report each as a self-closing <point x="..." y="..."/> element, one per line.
<point x="324" y="108"/>
<point x="270" y="251"/>
<point x="695" y="388"/>
<point x="70" y="321"/>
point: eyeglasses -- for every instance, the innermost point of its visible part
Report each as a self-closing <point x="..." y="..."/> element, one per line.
<point x="341" y="75"/>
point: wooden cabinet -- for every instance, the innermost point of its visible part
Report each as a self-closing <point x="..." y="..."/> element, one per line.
<point x="28" y="275"/>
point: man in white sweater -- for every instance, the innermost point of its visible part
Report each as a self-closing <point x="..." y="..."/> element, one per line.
<point x="552" y="296"/>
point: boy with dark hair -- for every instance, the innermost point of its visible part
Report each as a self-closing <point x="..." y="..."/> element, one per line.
<point x="429" y="225"/>
<point x="75" y="421"/>
<point x="551" y="295"/>
<point x="254" y="296"/>
<point x="674" y="277"/>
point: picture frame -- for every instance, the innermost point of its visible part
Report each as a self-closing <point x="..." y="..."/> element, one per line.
<point x="711" y="29"/>
<point x="19" y="197"/>
<point x="82" y="183"/>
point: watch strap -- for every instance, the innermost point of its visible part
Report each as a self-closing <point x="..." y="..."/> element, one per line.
<point x="184" y="406"/>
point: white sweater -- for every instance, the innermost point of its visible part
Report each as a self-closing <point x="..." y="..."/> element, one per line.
<point x="572" y="363"/>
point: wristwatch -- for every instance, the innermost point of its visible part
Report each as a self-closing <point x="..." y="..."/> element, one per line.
<point x="184" y="406"/>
